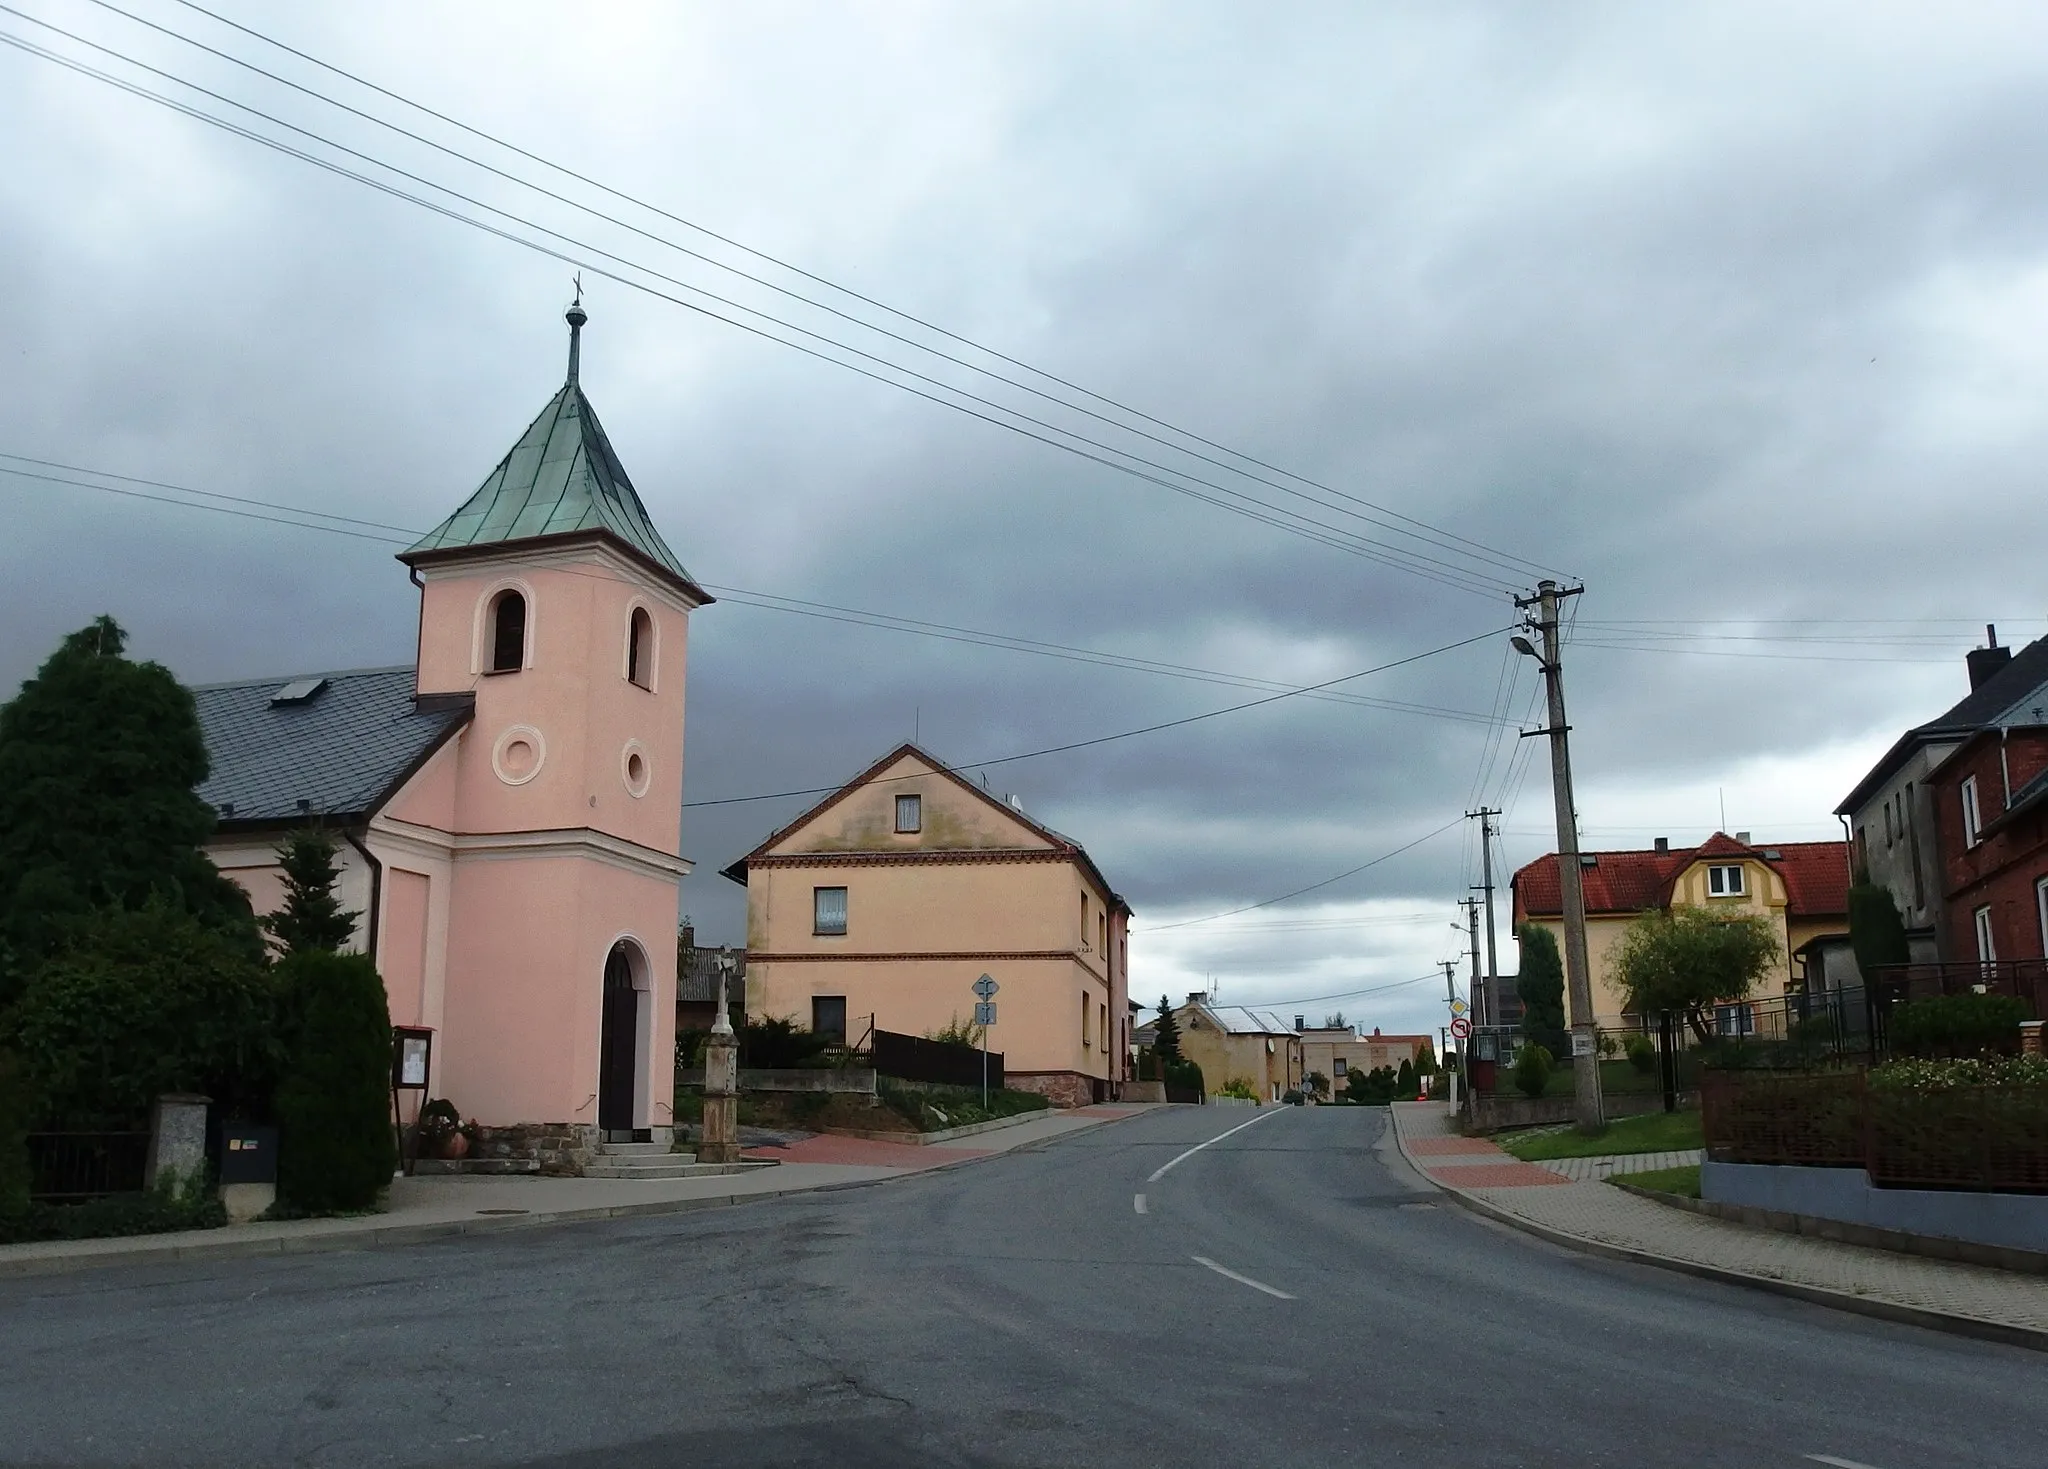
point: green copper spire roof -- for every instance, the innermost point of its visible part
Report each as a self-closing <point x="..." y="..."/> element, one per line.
<point x="560" y="478"/>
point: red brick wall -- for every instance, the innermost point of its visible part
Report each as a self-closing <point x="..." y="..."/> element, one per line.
<point x="2001" y="871"/>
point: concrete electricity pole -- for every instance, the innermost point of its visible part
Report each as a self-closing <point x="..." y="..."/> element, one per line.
<point x="1578" y="978"/>
<point x="1471" y="907"/>
<point x="1488" y="1011"/>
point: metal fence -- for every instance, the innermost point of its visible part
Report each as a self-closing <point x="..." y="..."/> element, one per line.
<point x="71" y="1167"/>
<point x="2024" y="979"/>
<point x="1986" y="1138"/>
<point x="913" y="1058"/>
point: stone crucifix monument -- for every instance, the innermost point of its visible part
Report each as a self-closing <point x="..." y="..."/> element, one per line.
<point x="718" y="1139"/>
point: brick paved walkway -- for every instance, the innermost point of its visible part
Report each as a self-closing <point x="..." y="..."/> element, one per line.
<point x="1583" y="1209"/>
<point x="1579" y="1169"/>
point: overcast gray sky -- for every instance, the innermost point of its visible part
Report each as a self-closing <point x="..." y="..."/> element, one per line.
<point x="1741" y="316"/>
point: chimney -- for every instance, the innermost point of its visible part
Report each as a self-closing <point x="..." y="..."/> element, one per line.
<point x="1198" y="997"/>
<point x="1663" y="844"/>
<point x="1742" y="837"/>
<point x="687" y="938"/>
<point x="1985" y="662"/>
<point x="1375" y="1032"/>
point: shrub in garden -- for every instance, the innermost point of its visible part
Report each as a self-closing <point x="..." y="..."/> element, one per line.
<point x="1405" y="1085"/>
<point x="1532" y="1070"/>
<point x="778" y="1043"/>
<point x="1642" y="1055"/>
<point x="311" y="916"/>
<point x="1957" y="1025"/>
<point x="335" y="1150"/>
<point x="1239" y="1088"/>
<point x="145" y="1002"/>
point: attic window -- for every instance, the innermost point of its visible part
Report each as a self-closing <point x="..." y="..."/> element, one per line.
<point x="909" y="813"/>
<point x="298" y="691"/>
<point x="1724" y="882"/>
<point x="1772" y="855"/>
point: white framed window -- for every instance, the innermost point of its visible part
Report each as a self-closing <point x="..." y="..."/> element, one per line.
<point x="2041" y="907"/>
<point x="1973" y="820"/>
<point x="1987" y="942"/>
<point x="640" y="649"/>
<point x="1724" y="882"/>
<point x="910" y="813"/>
<point x="1734" y="1020"/>
<point x="828" y="910"/>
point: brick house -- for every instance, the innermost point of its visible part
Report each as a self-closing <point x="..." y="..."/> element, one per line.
<point x="1891" y="813"/>
<point x="1990" y="803"/>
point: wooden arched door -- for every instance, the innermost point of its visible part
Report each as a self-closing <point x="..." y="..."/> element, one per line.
<point x="618" y="1061"/>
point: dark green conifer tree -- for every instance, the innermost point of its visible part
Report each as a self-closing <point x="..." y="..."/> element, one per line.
<point x="336" y="1147"/>
<point x="312" y="917"/>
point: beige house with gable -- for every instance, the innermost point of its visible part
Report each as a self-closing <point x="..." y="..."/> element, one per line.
<point x="882" y="904"/>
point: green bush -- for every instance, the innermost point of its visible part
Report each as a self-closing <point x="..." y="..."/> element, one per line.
<point x="1532" y="1070"/>
<point x="336" y="1151"/>
<point x="14" y="1115"/>
<point x="141" y="1003"/>
<point x="1238" y="1088"/>
<point x="1373" y="1088"/>
<point x="776" y="1043"/>
<point x="1963" y="1071"/>
<point x="1642" y="1054"/>
<point x="1957" y="1025"/>
<point x="193" y="1205"/>
<point x="931" y="1108"/>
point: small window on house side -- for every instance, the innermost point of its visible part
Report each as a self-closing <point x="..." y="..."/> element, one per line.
<point x="1086" y="1041"/>
<point x="508" y="633"/>
<point x="828" y="1016"/>
<point x="1888" y="831"/>
<point x="1987" y="943"/>
<point x="828" y="910"/>
<point x="1973" y="820"/>
<point x="1338" y="1067"/>
<point x="909" y="813"/>
<point x="640" y="649"/>
<point x="2041" y="904"/>
<point x="1724" y="882"/>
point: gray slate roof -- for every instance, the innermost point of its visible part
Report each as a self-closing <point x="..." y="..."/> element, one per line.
<point x="344" y="750"/>
<point x="561" y="477"/>
<point x="2014" y="695"/>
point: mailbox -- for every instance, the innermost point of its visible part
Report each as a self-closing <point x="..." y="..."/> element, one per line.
<point x="248" y="1154"/>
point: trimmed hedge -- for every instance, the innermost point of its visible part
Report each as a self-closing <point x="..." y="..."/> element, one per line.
<point x="336" y="1150"/>
<point x="1957" y="1025"/>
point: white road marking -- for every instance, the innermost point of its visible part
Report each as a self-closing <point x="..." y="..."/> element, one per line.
<point x="1241" y="1279"/>
<point x="1263" y="1115"/>
<point x="1838" y="1463"/>
<point x="1138" y="1202"/>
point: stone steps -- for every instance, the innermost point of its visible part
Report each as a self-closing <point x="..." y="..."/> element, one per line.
<point x="675" y="1165"/>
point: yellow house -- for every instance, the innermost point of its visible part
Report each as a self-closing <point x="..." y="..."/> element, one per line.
<point x="1802" y="887"/>
<point x="1231" y="1043"/>
<point x="884" y="903"/>
<point x="1338" y="1050"/>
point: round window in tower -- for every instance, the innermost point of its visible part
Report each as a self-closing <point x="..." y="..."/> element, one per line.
<point x="633" y="768"/>
<point x="519" y="754"/>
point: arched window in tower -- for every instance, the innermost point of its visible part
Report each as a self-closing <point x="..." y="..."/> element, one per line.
<point x="508" y="633"/>
<point x="640" y="649"/>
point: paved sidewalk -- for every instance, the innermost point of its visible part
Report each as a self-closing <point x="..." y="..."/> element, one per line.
<point x="1606" y="1166"/>
<point x="426" y="1208"/>
<point x="1591" y="1215"/>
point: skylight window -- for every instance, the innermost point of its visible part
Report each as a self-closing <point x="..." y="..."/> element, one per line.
<point x="298" y="691"/>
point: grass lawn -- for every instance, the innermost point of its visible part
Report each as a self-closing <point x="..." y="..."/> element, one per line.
<point x="1684" y="1182"/>
<point x="1656" y="1132"/>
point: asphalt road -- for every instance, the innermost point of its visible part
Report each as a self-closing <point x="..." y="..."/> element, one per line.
<point x="1287" y="1296"/>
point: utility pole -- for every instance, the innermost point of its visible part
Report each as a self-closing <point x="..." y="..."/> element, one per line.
<point x="1489" y="1011"/>
<point x="1471" y="907"/>
<point x="1578" y="978"/>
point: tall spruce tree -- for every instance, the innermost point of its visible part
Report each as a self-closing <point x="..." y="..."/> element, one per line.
<point x="312" y="917"/>
<point x="99" y="758"/>
<point x="1877" y="933"/>
<point x="1166" y="1038"/>
<point x="1540" y="984"/>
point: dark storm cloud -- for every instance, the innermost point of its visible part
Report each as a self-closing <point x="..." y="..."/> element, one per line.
<point x="1724" y="314"/>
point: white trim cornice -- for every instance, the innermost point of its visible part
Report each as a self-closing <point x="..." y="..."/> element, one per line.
<point x="581" y="841"/>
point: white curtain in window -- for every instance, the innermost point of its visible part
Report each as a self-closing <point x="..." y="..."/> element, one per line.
<point x="831" y="910"/>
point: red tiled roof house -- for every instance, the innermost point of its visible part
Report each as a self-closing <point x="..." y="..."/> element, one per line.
<point x="1803" y="887"/>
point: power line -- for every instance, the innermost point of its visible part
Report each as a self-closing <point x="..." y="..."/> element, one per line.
<point x="765" y="601"/>
<point x="1177" y="480"/>
<point x="1312" y="887"/>
<point x="1437" y="536"/>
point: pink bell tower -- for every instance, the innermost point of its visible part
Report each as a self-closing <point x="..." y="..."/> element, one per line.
<point x="547" y="833"/>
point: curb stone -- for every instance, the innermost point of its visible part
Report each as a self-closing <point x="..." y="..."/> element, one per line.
<point x="205" y="1250"/>
<point x="1943" y="1321"/>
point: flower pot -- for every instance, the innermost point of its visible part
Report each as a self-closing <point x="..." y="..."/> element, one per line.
<point x="456" y="1145"/>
